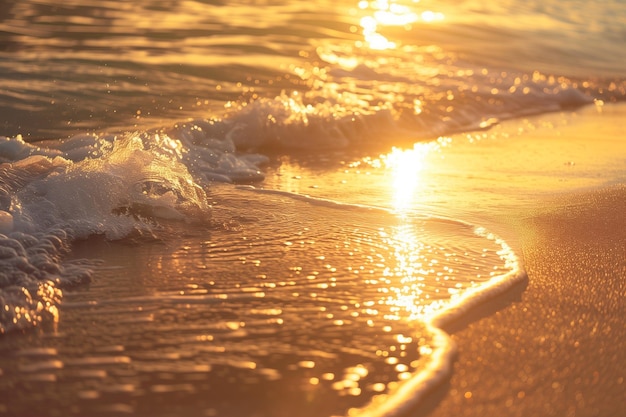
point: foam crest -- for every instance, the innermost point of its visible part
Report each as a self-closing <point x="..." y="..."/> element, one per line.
<point x="361" y="106"/>
<point x="150" y="174"/>
<point x="210" y="153"/>
<point x="86" y="185"/>
<point x="111" y="194"/>
<point x="52" y="193"/>
<point x="15" y="149"/>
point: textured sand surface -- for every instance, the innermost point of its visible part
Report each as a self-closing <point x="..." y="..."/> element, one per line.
<point x="558" y="347"/>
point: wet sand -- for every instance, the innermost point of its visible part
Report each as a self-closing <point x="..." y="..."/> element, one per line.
<point x="555" y="347"/>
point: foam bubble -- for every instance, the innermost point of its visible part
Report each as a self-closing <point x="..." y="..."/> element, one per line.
<point x="31" y="278"/>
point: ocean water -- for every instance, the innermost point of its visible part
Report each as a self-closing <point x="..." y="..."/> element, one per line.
<point x="149" y="266"/>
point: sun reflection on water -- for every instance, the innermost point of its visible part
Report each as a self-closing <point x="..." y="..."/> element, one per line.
<point x="405" y="294"/>
<point x="407" y="169"/>
<point x="391" y="13"/>
<point x="418" y="266"/>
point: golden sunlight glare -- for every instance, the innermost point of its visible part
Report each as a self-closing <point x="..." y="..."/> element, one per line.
<point x="390" y="13"/>
<point x="406" y="167"/>
<point x="405" y="293"/>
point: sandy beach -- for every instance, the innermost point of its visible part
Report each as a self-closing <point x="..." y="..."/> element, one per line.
<point x="556" y="346"/>
<point x="552" y="345"/>
<point x="293" y="209"/>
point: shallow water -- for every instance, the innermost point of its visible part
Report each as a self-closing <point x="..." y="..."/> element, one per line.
<point x="302" y="308"/>
<point x="150" y="111"/>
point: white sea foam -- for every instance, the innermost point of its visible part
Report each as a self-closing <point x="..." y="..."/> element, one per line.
<point x="94" y="185"/>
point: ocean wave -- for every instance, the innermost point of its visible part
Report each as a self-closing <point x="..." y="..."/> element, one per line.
<point x="323" y="84"/>
<point x="89" y="186"/>
<point x="316" y="85"/>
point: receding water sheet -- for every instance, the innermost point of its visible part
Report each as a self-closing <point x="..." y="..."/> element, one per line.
<point x="302" y="307"/>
